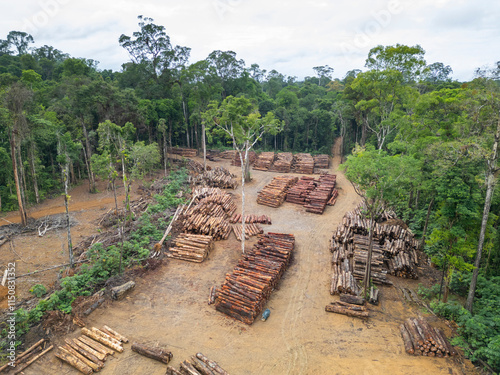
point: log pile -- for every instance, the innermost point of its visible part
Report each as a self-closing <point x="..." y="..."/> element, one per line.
<point x="420" y="338"/>
<point x="348" y="309"/>
<point x="252" y="156"/>
<point x="264" y="161"/>
<point x="197" y="365"/>
<point x="88" y="352"/>
<point x="283" y="162"/>
<point x="303" y="163"/>
<point x="219" y="177"/>
<point x="300" y="191"/>
<point x="321" y="161"/>
<point x="250" y="231"/>
<point x="246" y="290"/>
<point x="185" y="152"/>
<point x="333" y="199"/>
<point x="318" y="198"/>
<point x="227" y="154"/>
<point x="378" y="272"/>
<point x="191" y="247"/>
<point x="250" y="219"/>
<point x="196" y="167"/>
<point x="274" y="194"/>
<point x="343" y="280"/>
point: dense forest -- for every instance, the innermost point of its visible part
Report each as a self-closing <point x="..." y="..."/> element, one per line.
<point x="64" y="119"/>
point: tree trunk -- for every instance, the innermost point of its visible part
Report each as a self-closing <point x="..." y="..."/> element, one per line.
<point x="490" y="187"/>
<point x="70" y="245"/>
<point x="429" y="209"/>
<point x="125" y="184"/>
<point x="204" y="145"/>
<point x="33" y="170"/>
<point x="88" y="158"/>
<point x="22" y="212"/>
<point x="366" y="280"/>
<point x="165" y="156"/>
<point x="243" y="198"/>
<point x="22" y="176"/>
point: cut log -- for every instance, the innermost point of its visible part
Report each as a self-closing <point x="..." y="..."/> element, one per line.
<point x="407" y="340"/>
<point x="201" y="366"/>
<point x="102" y="340"/>
<point x="96" y="345"/>
<point x="75" y="362"/>
<point x="346" y="311"/>
<point x="100" y="356"/>
<point x="212" y="364"/>
<point x="21" y="368"/>
<point x="84" y="352"/>
<point x="355" y="300"/>
<point x="158" y="354"/>
<point x="70" y="350"/>
<point x="119" y="291"/>
<point x="374" y="296"/>
<point x="172" y="371"/>
<point x="116" y="334"/>
<point x="188" y="368"/>
<point x="106" y="336"/>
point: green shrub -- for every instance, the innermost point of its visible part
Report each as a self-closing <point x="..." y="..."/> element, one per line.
<point x="38" y="290"/>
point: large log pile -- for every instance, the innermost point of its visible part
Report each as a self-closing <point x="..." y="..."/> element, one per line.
<point x="420" y="338"/>
<point x="343" y="280"/>
<point x="219" y="177"/>
<point x="303" y="163"/>
<point x="250" y="219"/>
<point x="283" y="162"/>
<point x="185" y="152"/>
<point x="209" y="212"/>
<point x="191" y="247"/>
<point x="321" y="161"/>
<point x="300" y="191"/>
<point x="318" y="198"/>
<point x="197" y="365"/>
<point x="246" y="290"/>
<point x="250" y="231"/>
<point x="264" y="161"/>
<point x="360" y="247"/>
<point x="252" y="156"/>
<point x="274" y="194"/>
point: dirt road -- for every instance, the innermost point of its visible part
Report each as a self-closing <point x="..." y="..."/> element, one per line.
<point x="168" y="308"/>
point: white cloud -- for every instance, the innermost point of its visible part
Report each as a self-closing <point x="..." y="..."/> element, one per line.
<point x="289" y="36"/>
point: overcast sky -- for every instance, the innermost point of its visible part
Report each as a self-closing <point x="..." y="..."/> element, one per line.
<point x="290" y="36"/>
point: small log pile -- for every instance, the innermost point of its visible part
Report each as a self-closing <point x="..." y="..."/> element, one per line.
<point x="333" y="199"/>
<point x="219" y="177"/>
<point x="197" y="365"/>
<point x="264" y="161"/>
<point x="303" y="163"/>
<point x="196" y="167"/>
<point x="191" y="247"/>
<point x="348" y="309"/>
<point x="420" y="338"/>
<point x="283" y="162"/>
<point x="184" y="152"/>
<point x="250" y="219"/>
<point x="250" y="231"/>
<point x="88" y="352"/>
<point x="318" y="198"/>
<point x="321" y="161"/>
<point x="229" y="154"/>
<point x="246" y="290"/>
<point x="252" y="156"/>
<point x="29" y="356"/>
<point x="343" y="280"/>
<point x="274" y="194"/>
<point x="300" y="191"/>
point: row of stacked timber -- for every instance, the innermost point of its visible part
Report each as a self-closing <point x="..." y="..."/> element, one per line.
<point x="317" y="199"/>
<point x="88" y="352"/>
<point x="321" y="161"/>
<point x="218" y="177"/>
<point x="360" y="250"/>
<point x="250" y="219"/>
<point x="274" y="193"/>
<point x="29" y="356"/>
<point x="349" y="309"/>
<point x="191" y="247"/>
<point x="197" y="365"/>
<point x="420" y="338"/>
<point x="301" y="190"/>
<point x="229" y="154"/>
<point x="252" y="156"/>
<point x="264" y="161"/>
<point x="209" y="212"/>
<point x="343" y="280"/>
<point x="250" y="231"/>
<point x="185" y="152"/>
<point x="246" y="290"/>
<point x="303" y="163"/>
<point x="283" y="163"/>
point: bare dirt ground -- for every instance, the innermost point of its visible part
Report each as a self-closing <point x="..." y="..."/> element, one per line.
<point x="169" y="308"/>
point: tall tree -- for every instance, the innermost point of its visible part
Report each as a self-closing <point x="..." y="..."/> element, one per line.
<point x="20" y="40"/>
<point x="324" y="72"/>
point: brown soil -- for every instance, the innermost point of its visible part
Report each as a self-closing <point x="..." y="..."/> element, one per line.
<point x="168" y="307"/>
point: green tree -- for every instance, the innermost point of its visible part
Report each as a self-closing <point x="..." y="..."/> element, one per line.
<point x="20" y="40"/>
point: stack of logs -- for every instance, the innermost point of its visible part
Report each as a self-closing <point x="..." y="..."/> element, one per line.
<point x="333" y="199"/>
<point x="318" y="198"/>
<point x="191" y="247"/>
<point x="360" y="247"/>
<point x="219" y="177"/>
<point x="249" y="219"/>
<point x="300" y="191"/>
<point x="197" y="365"/>
<point x="274" y="194"/>
<point x="250" y="231"/>
<point x="88" y="352"/>
<point x="264" y="161"/>
<point x="228" y="154"/>
<point x="209" y="212"/>
<point x="303" y="163"/>
<point x="421" y="339"/>
<point x="246" y="290"/>
<point x="321" y="161"/>
<point x="283" y="163"/>
<point x="252" y="156"/>
<point x="185" y="152"/>
<point x="343" y="280"/>
<point x="196" y="167"/>
<point x="349" y="309"/>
